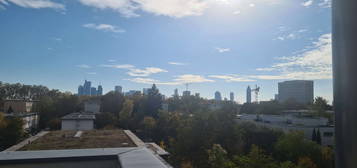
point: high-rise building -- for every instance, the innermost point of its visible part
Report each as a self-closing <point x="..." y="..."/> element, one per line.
<point x="301" y="91"/>
<point x="197" y="95"/>
<point x="249" y="95"/>
<point x="87" y="88"/>
<point x="217" y="96"/>
<point x="176" y="93"/>
<point x="80" y="90"/>
<point x="231" y="97"/>
<point x="93" y="91"/>
<point x="146" y="91"/>
<point x="186" y="93"/>
<point x="100" y="90"/>
<point x="118" y="89"/>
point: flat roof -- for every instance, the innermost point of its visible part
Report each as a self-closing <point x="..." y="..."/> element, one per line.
<point x="56" y="140"/>
<point x="79" y="116"/>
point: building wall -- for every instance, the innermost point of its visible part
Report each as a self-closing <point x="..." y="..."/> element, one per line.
<point x="77" y="124"/>
<point x="301" y="91"/>
<point x="18" y="106"/>
<point x="91" y="107"/>
<point x="60" y="164"/>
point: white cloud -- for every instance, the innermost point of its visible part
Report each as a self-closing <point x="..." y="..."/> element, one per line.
<point x="307" y="3"/>
<point x="120" y="66"/>
<point x="36" y="4"/>
<point x="176" y="63"/>
<point x="222" y="50"/>
<point x="85" y="66"/>
<point x="251" y="5"/>
<point x="125" y="7"/>
<point x="133" y="71"/>
<point x="112" y="60"/>
<point x="145" y="72"/>
<point x="314" y="62"/>
<point x="237" y="12"/>
<point x="172" y="8"/>
<point x="290" y="35"/>
<point x="92" y="73"/>
<point x="325" y="3"/>
<point x="143" y="80"/>
<point x="232" y="78"/>
<point x="57" y="39"/>
<point x="189" y="78"/>
<point x="104" y="27"/>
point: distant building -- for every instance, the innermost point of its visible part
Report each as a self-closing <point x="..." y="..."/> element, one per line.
<point x="301" y="91"/>
<point x="249" y="95"/>
<point x="23" y="109"/>
<point x="217" y="96"/>
<point x="78" y="121"/>
<point x="146" y="91"/>
<point x="276" y="97"/>
<point x="165" y="107"/>
<point x="118" y="89"/>
<point x="100" y="90"/>
<point x="197" y="95"/>
<point x="132" y="92"/>
<point x="93" y="91"/>
<point x="92" y="106"/>
<point x="87" y="90"/>
<point x="176" y="94"/>
<point x="80" y="90"/>
<point x="186" y="93"/>
<point x="231" y="97"/>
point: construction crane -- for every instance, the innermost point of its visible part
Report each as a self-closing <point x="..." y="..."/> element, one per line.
<point x="256" y="93"/>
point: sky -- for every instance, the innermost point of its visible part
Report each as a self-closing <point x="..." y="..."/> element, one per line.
<point x="213" y="45"/>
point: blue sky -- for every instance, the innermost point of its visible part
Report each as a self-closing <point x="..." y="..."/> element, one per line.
<point x="222" y="45"/>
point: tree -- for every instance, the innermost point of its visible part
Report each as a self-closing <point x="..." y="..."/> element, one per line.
<point x="318" y="137"/>
<point x="105" y="119"/>
<point x="306" y="162"/>
<point x="11" y="132"/>
<point x="255" y="159"/>
<point x="313" y="135"/>
<point x="112" y="102"/>
<point x="218" y="158"/>
<point x="125" y="113"/>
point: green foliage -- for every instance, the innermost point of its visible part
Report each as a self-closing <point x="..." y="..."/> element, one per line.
<point x="105" y="119"/>
<point x="218" y="157"/>
<point x="126" y="113"/>
<point x="256" y="158"/>
<point x="112" y="102"/>
<point x="11" y="132"/>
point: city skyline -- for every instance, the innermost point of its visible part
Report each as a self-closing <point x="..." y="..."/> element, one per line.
<point x="218" y="45"/>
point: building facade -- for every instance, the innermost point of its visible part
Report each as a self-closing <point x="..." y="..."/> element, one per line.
<point x="78" y="121"/>
<point x="118" y="89"/>
<point x="301" y="91"/>
<point x="217" y="96"/>
<point x="231" y="97"/>
<point x="249" y="95"/>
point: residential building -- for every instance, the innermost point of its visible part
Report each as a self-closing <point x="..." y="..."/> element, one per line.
<point x="294" y="120"/>
<point x="24" y="109"/>
<point x="118" y="89"/>
<point x="92" y="106"/>
<point x="231" y="97"/>
<point x="249" y="95"/>
<point x="301" y="91"/>
<point x="217" y="96"/>
<point x="78" y="121"/>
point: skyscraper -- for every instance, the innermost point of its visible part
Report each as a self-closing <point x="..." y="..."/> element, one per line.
<point x="87" y="88"/>
<point x="100" y="90"/>
<point x="93" y="91"/>
<point x="301" y="91"/>
<point x="217" y="96"/>
<point x="249" y="95"/>
<point x="80" y="90"/>
<point x="118" y="89"/>
<point x="176" y="93"/>
<point x="231" y="97"/>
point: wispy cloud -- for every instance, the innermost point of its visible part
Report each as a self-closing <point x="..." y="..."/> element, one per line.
<point x="307" y="3"/>
<point x="178" y="80"/>
<point x="36" y="4"/>
<point x="85" y="66"/>
<point x="112" y="60"/>
<point x="285" y="34"/>
<point x="325" y="3"/>
<point x="314" y="62"/>
<point x="232" y="78"/>
<point x="176" y="63"/>
<point x="104" y="27"/>
<point x="171" y="8"/>
<point x="92" y="73"/>
<point x="222" y="50"/>
<point x="133" y="71"/>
